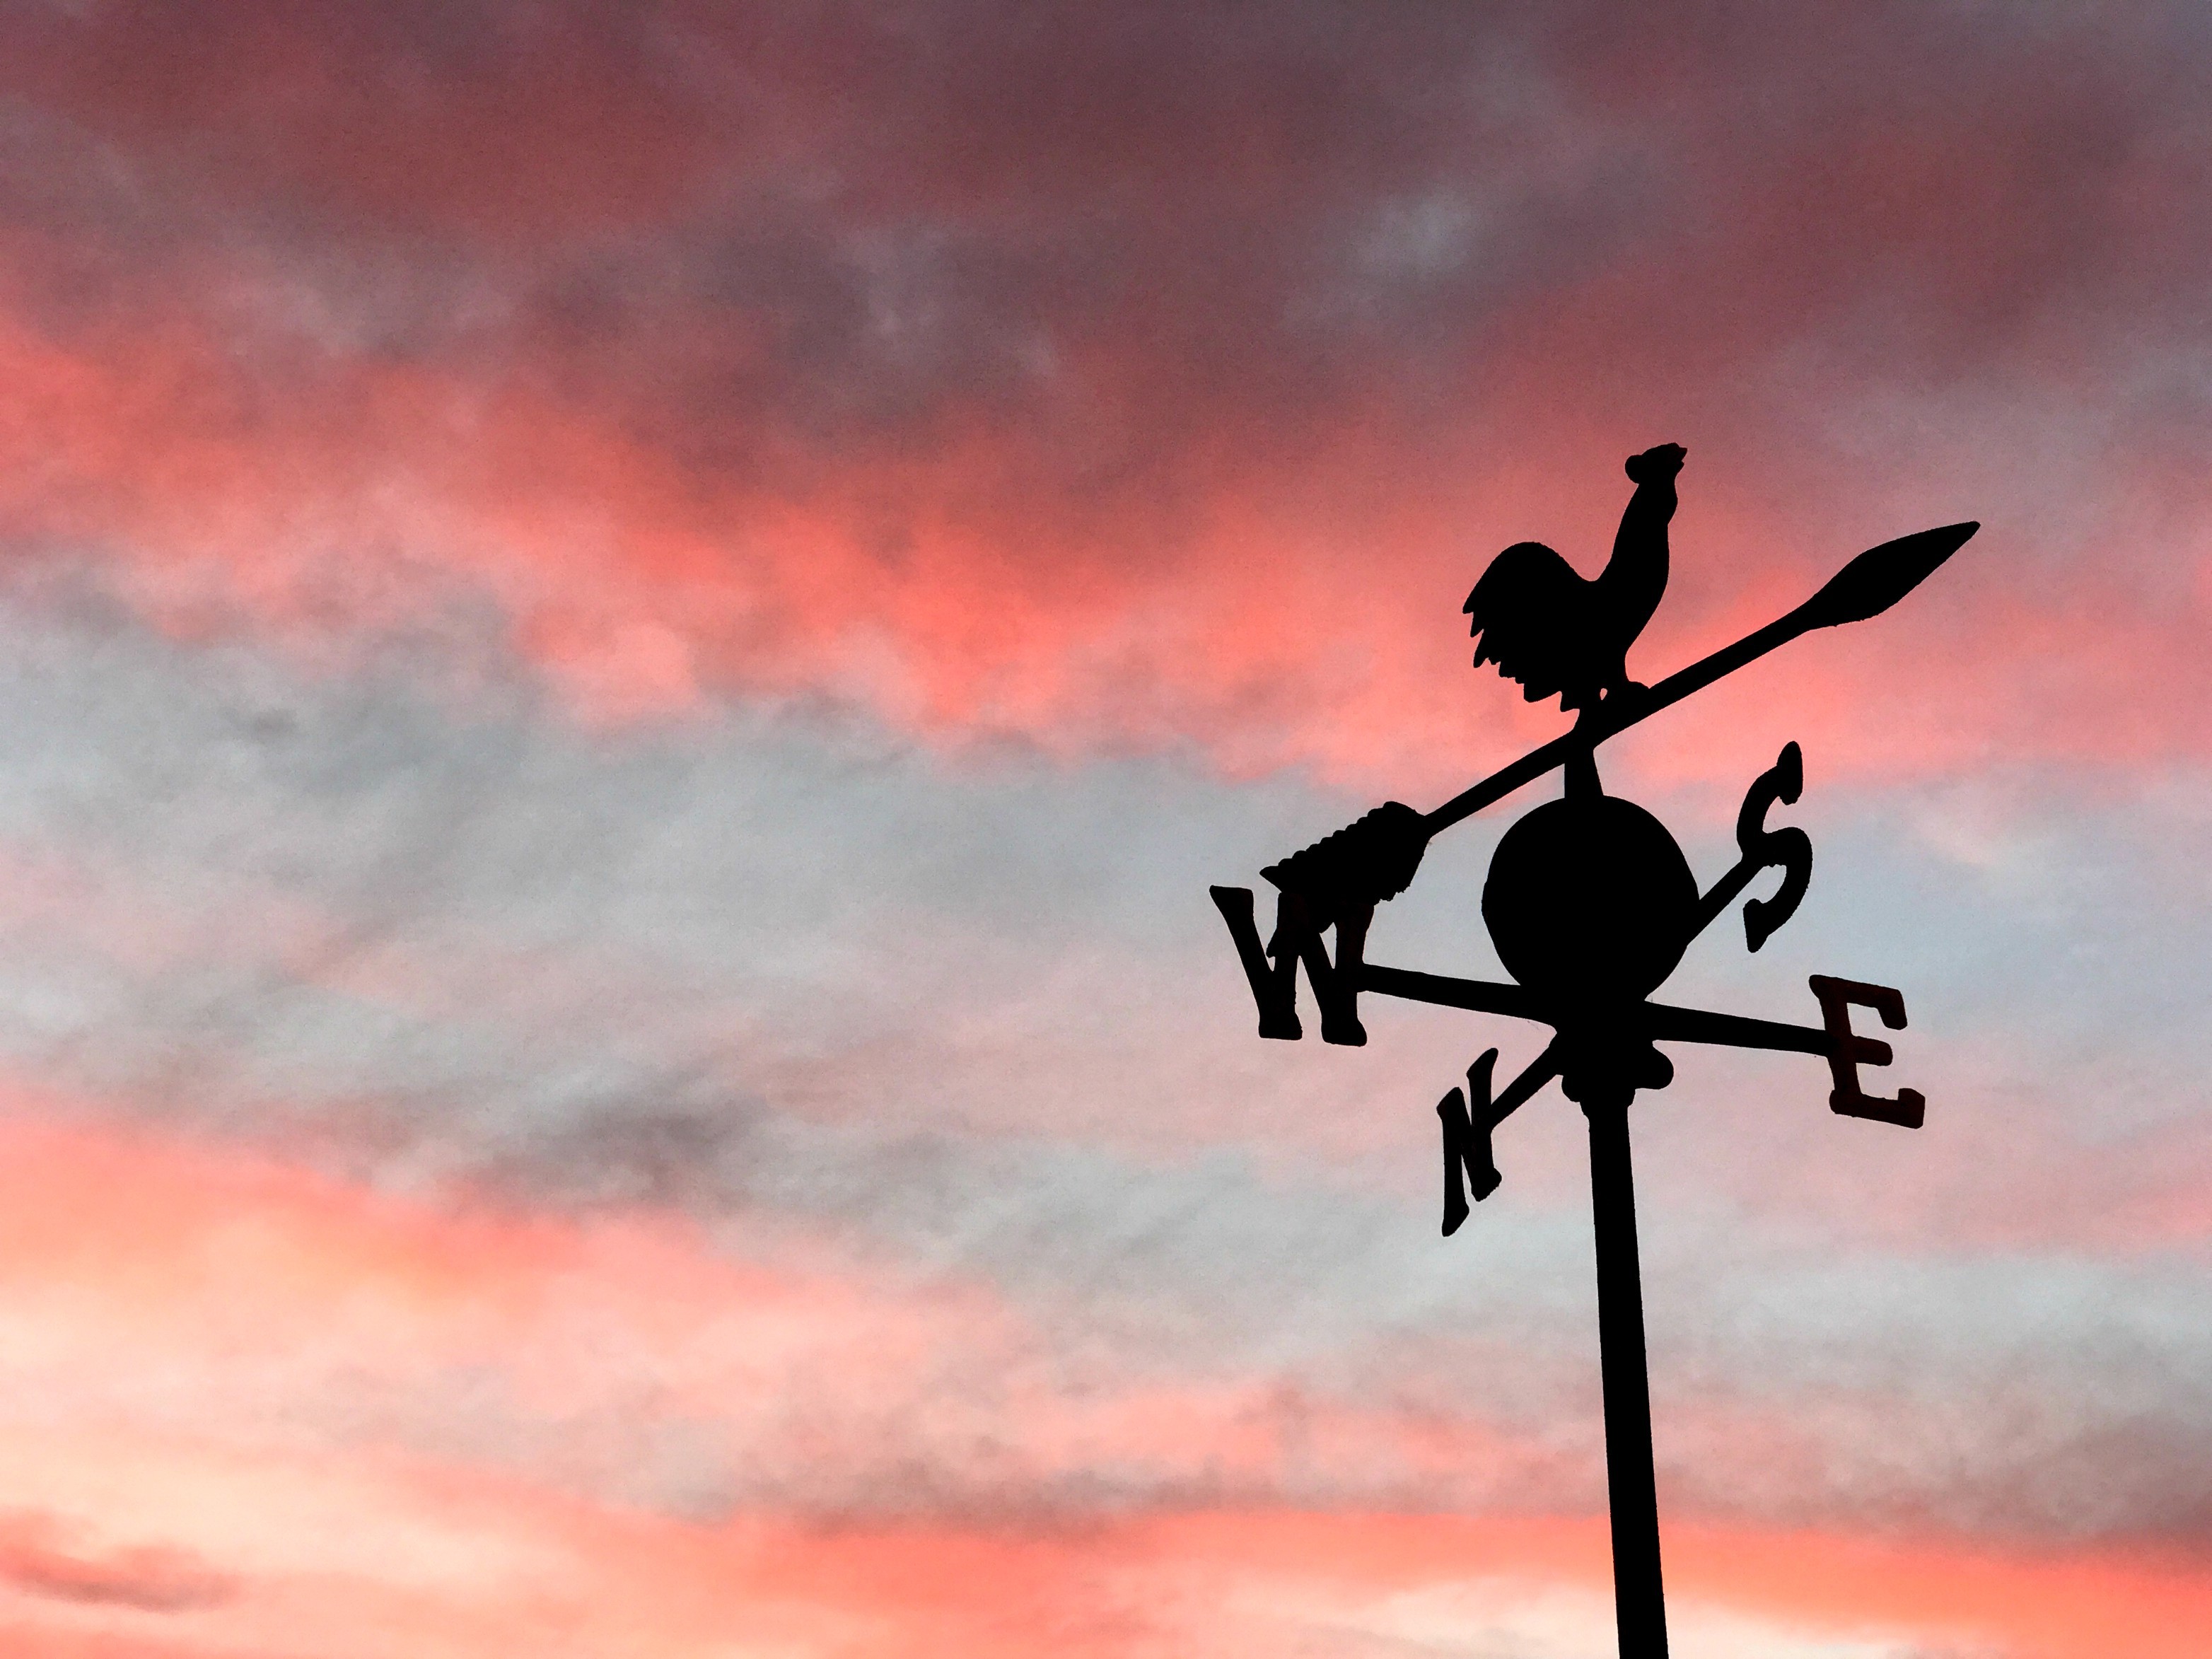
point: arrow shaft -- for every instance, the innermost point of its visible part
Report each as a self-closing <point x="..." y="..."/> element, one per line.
<point x="1656" y="1022"/>
<point x="1865" y="588"/>
<point x="1595" y="729"/>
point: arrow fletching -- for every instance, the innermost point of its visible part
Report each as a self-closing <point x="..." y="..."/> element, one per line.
<point x="1367" y="861"/>
<point x="1882" y="575"/>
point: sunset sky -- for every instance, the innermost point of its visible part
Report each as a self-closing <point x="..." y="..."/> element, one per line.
<point x="630" y="635"/>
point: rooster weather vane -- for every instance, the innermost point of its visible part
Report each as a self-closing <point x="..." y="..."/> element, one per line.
<point x="1590" y="905"/>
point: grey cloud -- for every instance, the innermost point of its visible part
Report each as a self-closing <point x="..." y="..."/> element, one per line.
<point x="348" y="888"/>
<point x="2006" y="1395"/>
<point x="979" y="1027"/>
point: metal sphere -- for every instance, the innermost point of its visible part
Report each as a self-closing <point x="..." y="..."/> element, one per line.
<point x="1590" y="901"/>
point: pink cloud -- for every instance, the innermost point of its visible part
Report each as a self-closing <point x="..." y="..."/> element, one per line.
<point x="1162" y="418"/>
<point x="640" y="590"/>
<point x="36" y="1555"/>
<point x="1118" y="382"/>
<point x="507" y="1562"/>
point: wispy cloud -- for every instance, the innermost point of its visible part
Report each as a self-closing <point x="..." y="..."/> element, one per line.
<point x="42" y="1555"/>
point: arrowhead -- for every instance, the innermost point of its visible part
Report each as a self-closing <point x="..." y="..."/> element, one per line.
<point x="1882" y="575"/>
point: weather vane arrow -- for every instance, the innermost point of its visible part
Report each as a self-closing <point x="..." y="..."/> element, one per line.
<point x="1376" y="859"/>
<point x="1861" y="590"/>
<point x="1339" y="879"/>
<point x="1590" y="905"/>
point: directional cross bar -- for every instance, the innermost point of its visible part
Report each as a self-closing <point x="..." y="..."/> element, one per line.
<point x="1833" y="1040"/>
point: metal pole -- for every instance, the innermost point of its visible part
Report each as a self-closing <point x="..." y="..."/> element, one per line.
<point x="1638" y="1599"/>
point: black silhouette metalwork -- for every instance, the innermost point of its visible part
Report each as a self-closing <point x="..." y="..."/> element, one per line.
<point x="1546" y="627"/>
<point x="1591" y="905"/>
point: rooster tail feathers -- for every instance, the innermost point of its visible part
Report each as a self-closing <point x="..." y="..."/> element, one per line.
<point x="1523" y="613"/>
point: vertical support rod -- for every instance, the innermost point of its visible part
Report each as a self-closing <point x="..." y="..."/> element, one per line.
<point x="1638" y="1599"/>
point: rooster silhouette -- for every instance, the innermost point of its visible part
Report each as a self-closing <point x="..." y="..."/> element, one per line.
<point x="1557" y="633"/>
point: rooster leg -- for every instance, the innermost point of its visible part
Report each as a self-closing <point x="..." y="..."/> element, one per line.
<point x="1624" y="699"/>
<point x="1582" y="777"/>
